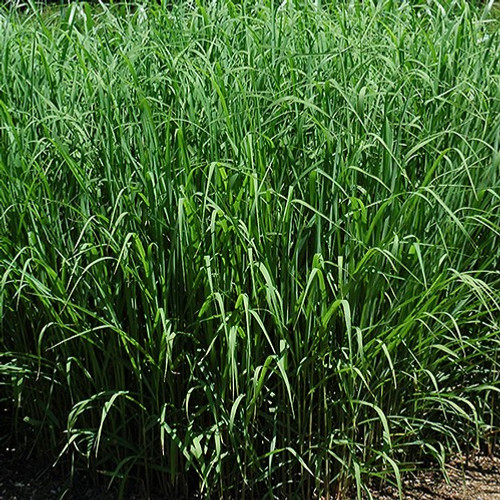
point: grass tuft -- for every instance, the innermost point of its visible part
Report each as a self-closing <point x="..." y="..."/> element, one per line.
<point x="250" y="235"/>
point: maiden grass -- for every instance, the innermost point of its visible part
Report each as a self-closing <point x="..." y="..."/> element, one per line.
<point x="251" y="237"/>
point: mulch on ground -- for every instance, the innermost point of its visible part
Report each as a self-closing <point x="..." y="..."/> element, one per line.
<point x="476" y="479"/>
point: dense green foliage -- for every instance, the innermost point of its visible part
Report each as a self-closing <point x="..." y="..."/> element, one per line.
<point x="250" y="237"/>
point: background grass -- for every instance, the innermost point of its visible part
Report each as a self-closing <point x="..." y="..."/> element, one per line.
<point x="251" y="237"/>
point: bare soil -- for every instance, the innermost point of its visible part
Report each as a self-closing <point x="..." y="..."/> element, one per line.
<point x="476" y="479"/>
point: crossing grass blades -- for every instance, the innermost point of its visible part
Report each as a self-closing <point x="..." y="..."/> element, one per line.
<point x="250" y="250"/>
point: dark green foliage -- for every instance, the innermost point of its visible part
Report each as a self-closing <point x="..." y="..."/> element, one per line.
<point x="251" y="237"/>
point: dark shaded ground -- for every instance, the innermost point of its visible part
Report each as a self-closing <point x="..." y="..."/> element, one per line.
<point x="38" y="480"/>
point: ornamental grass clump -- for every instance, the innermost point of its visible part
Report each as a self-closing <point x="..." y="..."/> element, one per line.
<point x="253" y="237"/>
